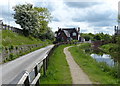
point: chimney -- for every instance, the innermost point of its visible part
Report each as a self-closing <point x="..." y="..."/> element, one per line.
<point x="78" y="29"/>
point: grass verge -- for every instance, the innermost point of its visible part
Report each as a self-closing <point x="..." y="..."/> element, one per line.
<point x="58" y="70"/>
<point x="91" y="68"/>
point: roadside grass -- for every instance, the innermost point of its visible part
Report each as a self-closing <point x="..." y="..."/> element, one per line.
<point x="58" y="70"/>
<point x="91" y="67"/>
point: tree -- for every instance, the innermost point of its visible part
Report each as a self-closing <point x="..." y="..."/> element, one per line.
<point x="49" y="34"/>
<point x="86" y="36"/>
<point x="97" y="37"/>
<point x="27" y="18"/>
<point x="33" y="20"/>
<point x="44" y="18"/>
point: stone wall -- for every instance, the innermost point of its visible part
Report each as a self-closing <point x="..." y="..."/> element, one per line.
<point x="9" y="52"/>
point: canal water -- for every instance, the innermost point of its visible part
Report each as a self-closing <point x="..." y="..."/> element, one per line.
<point x="103" y="58"/>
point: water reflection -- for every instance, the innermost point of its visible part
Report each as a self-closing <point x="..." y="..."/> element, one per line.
<point x="104" y="58"/>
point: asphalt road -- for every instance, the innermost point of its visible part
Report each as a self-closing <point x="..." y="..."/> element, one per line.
<point x="9" y="71"/>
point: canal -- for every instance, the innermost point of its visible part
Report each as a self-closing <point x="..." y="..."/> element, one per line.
<point x="104" y="58"/>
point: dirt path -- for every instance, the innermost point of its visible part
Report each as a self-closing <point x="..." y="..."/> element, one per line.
<point x="78" y="76"/>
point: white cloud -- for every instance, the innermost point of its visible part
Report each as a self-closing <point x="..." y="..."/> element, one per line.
<point x="89" y="18"/>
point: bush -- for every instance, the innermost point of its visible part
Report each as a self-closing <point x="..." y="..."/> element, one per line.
<point x="85" y="46"/>
<point x="11" y="56"/>
<point x="11" y="47"/>
<point x="104" y="67"/>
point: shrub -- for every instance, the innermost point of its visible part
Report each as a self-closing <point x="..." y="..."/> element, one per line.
<point x="11" y="47"/>
<point x="11" y="56"/>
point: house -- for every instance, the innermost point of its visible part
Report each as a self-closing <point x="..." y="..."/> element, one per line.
<point x="67" y="34"/>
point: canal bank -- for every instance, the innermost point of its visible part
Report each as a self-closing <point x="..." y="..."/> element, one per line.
<point x="97" y="72"/>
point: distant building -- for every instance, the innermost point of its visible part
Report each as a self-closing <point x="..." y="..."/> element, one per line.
<point x="117" y="30"/>
<point x="67" y="34"/>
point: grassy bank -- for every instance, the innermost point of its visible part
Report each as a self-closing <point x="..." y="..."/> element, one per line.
<point x="58" y="70"/>
<point x="96" y="71"/>
<point x="10" y="38"/>
<point x="113" y="50"/>
<point x="108" y="48"/>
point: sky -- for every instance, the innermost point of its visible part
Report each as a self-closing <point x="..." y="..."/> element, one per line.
<point x="92" y="16"/>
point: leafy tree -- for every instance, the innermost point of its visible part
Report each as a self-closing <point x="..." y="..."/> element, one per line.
<point x="27" y="17"/>
<point x="97" y="37"/>
<point x="87" y="36"/>
<point x="50" y="34"/>
<point x="47" y="35"/>
<point x="44" y="18"/>
<point x="33" y="20"/>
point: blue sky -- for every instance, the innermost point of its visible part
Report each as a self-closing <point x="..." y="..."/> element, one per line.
<point x="90" y="15"/>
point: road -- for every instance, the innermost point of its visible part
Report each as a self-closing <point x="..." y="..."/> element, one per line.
<point x="9" y="71"/>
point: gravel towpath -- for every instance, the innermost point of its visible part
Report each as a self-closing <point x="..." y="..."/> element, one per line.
<point x="77" y="74"/>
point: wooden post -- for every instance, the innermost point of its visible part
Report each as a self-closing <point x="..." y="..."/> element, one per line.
<point x="27" y="83"/>
<point x="46" y="62"/>
<point x="36" y="70"/>
<point x="44" y="67"/>
<point x="36" y="73"/>
<point x="37" y="84"/>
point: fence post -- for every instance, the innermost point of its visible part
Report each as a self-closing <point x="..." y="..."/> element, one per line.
<point x="36" y="70"/>
<point x="36" y="73"/>
<point x="44" y="67"/>
<point x="27" y="83"/>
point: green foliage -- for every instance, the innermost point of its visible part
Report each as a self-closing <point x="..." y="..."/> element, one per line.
<point x="74" y="41"/>
<point x="58" y="70"/>
<point x="110" y="47"/>
<point x="85" y="46"/>
<point x="47" y="35"/>
<point x="118" y="39"/>
<point x="33" y="20"/>
<point x="44" y="19"/>
<point x="113" y="50"/>
<point x="11" y="47"/>
<point x="27" y="17"/>
<point x="87" y="36"/>
<point x="98" y="36"/>
<point x="11" y="56"/>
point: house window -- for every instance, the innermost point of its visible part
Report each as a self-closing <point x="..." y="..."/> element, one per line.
<point x="74" y="34"/>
